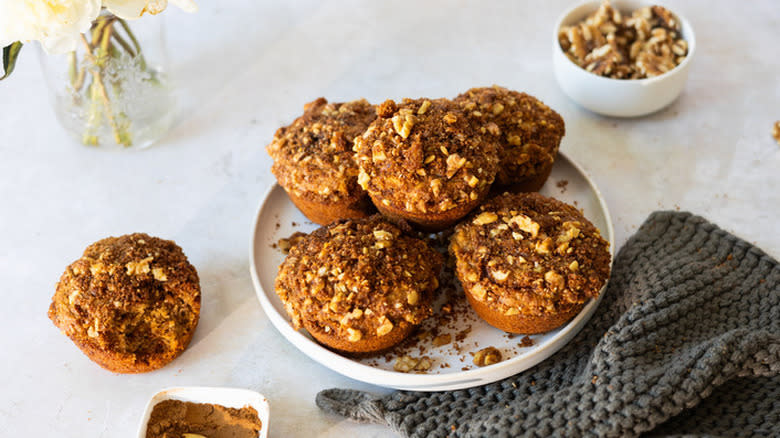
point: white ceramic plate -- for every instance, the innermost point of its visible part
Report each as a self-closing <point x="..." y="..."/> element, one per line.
<point x="228" y="397"/>
<point x="452" y="366"/>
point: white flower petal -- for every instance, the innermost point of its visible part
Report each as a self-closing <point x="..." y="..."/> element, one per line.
<point x="57" y="24"/>
<point x="186" y="5"/>
<point x="154" y="7"/>
<point x="127" y="9"/>
<point x="64" y="44"/>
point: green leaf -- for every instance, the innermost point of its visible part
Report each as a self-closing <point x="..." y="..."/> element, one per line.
<point x="10" y="53"/>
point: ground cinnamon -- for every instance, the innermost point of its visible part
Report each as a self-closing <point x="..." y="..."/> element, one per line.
<point x="179" y="419"/>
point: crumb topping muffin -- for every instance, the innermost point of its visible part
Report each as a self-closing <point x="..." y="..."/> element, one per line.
<point x="131" y="303"/>
<point x="425" y="157"/>
<point x="359" y="285"/>
<point x="529" y="131"/>
<point x="313" y="157"/>
<point x="527" y="255"/>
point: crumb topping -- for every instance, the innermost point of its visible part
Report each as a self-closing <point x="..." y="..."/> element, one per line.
<point x="313" y="156"/>
<point x="134" y="294"/>
<point x="425" y="156"/>
<point x="358" y="279"/>
<point x="529" y="132"/>
<point x="529" y="254"/>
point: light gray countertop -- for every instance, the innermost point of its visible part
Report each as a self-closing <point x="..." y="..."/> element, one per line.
<point x="244" y="68"/>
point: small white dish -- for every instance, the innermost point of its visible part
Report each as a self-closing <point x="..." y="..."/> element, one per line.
<point x="228" y="397"/>
<point x="618" y="97"/>
<point x="277" y="218"/>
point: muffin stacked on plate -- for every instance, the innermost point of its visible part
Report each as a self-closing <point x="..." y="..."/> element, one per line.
<point x="528" y="131"/>
<point x="425" y="161"/>
<point x="314" y="162"/>
<point x="527" y="263"/>
<point x="359" y="285"/>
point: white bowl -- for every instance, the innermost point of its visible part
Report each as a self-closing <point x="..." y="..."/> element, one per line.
<point x="618" y="97"/>
<point x="228" y="397"/>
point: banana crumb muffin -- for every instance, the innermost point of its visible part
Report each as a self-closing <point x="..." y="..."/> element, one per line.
<point x="314" y="161"/>
<point x="424" y="161"/>
<point x="130" y="303"/>
<point x="359" y="285"/>
<point x="529" y="263"/>
<point x="529" y="133"/>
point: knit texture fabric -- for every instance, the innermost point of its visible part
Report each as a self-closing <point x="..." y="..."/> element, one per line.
<point x="686" y="341"/>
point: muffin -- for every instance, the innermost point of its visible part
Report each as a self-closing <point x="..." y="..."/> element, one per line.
<point x="529" y="133"/>
<point x="359" y="285"/>
<point x="426" y="162"/>
<point x="529" y="263"/>
<point x="314" y="161"/>
<point x="130" y="303"/>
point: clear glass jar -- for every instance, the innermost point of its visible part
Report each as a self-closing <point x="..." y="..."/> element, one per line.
<point x="114" y="89"/>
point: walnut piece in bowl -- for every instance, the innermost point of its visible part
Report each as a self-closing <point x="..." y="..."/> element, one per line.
<point x="626" y="58"/>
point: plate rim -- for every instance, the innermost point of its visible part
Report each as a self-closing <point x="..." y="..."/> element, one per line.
<point x="426" y="382"/>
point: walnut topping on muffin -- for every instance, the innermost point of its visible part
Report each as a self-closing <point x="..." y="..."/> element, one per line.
<point x="359" y="285"/>
<point x="313" y="156"/>
<point x="529" y="255"/>
<point x="529" y="132"/>
<point x="131" y="303"/>
<point x="425" y="156"/>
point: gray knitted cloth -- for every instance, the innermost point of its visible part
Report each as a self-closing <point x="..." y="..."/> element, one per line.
<point x="686" y="341"/>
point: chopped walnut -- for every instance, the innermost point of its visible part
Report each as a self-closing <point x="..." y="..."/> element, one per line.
<point x="646" y="44"/>
<point x="139" y="267"/>
<point x="385" y="326"/>
<point x="526" y="224"/>
<point x="485" y="218"/>
<point x="403" y="122"/>
<point x="285" y="243"/>
<point x="487" y="356"/>
<point x="499" y="275"/>
<point x="406" y="364"/>
<point x="450" y="118"/>
<point x="570" y="231"/>
<point x="384" y="239"/>
<point x="479" y="292"/>
<point x="554" y="279"/>
<point x="440" y="340"/>
<point x="412" y="297"/>
<point x="159" y="274"/>
<point x="543" y="247"/>
<point x="454" y="163"/>
<point x="354" y="335"/>
<point x="776" y="131"/>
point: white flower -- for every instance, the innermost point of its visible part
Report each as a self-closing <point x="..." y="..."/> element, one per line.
<point x="132" y="9"/>
<point x="57" y="24"/>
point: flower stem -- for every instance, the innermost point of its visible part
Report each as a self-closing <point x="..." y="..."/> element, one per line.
<point x="97" y="29"/>
<point x="94" y="117"/>
<point x="72" y="67"/>
<point x="98" y="88"/>
<point x="132" y="37"/>
<point x="125" y="45"/>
